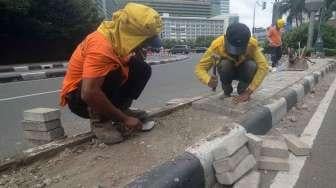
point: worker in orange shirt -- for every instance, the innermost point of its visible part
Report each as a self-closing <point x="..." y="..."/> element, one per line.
<point x="275" y="41"/>
<point x="107" y="71"/>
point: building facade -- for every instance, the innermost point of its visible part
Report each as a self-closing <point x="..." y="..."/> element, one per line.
<point x="185" y="28"/>
<point x="260" y="33"/>
<point x="220" y="7"/>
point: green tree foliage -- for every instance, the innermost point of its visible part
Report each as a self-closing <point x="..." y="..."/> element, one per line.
<point x="62" y="23"/>
<point x="292" y="38"/>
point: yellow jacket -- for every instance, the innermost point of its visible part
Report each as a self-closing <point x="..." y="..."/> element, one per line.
<point x="217" y="49"/>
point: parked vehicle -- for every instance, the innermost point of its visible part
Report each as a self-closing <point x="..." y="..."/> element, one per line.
<point x="200" y="49"/>
<point x="184" y="49"/>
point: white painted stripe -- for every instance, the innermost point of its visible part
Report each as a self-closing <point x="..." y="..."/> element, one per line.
<point x="30" y="95"/>
<point x="289" y="179"/>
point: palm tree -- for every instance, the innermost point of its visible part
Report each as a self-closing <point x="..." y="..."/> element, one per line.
<point x="295" y="10"/>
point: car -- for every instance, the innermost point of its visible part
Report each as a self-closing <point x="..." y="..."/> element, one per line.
<point x="184" y="49"/>
<point x="200" y="49"/>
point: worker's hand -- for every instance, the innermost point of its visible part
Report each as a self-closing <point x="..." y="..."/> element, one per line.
<point x="213" y="82"/>
<point x="245" y="96"/>
<point x="132" y="124"/>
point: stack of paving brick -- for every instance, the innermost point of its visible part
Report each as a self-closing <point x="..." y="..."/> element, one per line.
<point x="234" y="162"/>
<point x="42" y="125"/>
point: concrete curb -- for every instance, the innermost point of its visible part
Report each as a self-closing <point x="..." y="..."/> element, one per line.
<point x="12" y="77"/>
<point x="258" y="121"/>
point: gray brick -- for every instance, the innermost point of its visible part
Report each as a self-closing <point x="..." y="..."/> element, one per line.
<point x="296" y="146"/>
<point x="228" y="178"/>
<point x="45" y="136"/>
<point x="274" y="148"/>
<point x="231" y="145"/>
<point x="228" y="164"/>
<point x="254" y="145"/>
<point x="41" y="126"/>
<point x="41" y="114"/>
<point x="272" y="163"/>
<point x="250" y="180"/>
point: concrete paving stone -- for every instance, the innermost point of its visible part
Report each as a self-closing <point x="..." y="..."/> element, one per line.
<point x="231" y="145"/>
<point x="45" y="136"/>
<point x="42" y="114"/>
<point x="230" y="177"/>
<point x="254" y="145"/>
<point x="273" y="163"/>
<point x="250" y="180"/>
<point x="21" y="69"/>
<point x="299" y="89"/>
<point x="276" y="147"/>
<point x="317" y="76"/>
<point x="278" y="110"/>
<point x="229" y="163"/>
<point x="41" y="126"/>
<point x="296" y="146"/>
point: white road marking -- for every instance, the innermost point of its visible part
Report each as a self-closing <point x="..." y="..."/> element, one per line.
<point x="289" y="179"/>
<point x="30" y="95"/>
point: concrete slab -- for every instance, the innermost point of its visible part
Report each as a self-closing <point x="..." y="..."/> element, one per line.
<point x="250" y="180"/>
<point x="42" y="114"/>
<point x="228" y="178"/>
<point x="41" y="126"/>
<point x="254" y="145"/>
<point x="273" y="163"/>
<point x="230" y="145"/>
<point x="228" y="164"/>
<point x="274" y="148"/>
<point x="296" y="146"/>
<point x="45" y="136"/>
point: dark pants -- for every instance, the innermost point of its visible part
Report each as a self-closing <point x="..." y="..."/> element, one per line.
<point x="244" y="73"/>
<point x="120" y="95"/>
<point x="276" y="54"/>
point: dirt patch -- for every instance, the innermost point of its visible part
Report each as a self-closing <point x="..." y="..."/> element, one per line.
<point x="94" y="165"/>
<point x="297" y="119"/>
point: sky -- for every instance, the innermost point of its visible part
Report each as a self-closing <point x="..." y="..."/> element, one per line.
<point x="244" y="8"/>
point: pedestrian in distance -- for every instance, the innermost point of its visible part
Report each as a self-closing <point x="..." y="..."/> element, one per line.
<point x="274" y="37"/>
<point x="236" y="56"/>
<point x="107" y="71"/>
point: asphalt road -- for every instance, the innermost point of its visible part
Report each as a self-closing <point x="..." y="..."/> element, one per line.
<point x="320" y="168"/>
<point x="168" y="81"/>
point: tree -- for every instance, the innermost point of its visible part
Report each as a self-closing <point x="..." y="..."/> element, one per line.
<point x="328" y="8"/>
<point x="295" y="9"/>
<point x="44" y="27"/>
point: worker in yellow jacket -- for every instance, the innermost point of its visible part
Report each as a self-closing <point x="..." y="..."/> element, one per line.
<point x="237" y="56"/>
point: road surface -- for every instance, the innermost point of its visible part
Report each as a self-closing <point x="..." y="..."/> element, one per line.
<point x="168" y="81"/>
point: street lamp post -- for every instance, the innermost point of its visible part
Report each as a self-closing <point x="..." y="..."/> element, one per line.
<point x="261" y="4"/>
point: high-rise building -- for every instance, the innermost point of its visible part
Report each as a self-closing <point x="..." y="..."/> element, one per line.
<point x="219" y="7"/>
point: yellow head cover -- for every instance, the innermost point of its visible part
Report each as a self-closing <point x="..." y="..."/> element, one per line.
<point x="280" y="23"/>
<point x="130" y="27"/>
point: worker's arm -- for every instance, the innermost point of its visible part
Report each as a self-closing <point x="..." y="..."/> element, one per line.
<point x="203" y="67"/>
<point x="92" y="94"/>
<point x="269" y="36"/>
<point x="262" y="69"/>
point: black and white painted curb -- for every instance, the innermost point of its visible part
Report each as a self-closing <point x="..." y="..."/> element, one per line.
<point x="194" y="167"/>
<point x="53" y="70"/>
<point x="32" y="67"/>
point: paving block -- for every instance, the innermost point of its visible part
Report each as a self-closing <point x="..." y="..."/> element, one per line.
<point x="230" y="177"/>
<point x="231" y="145"/>
<point x="33" y="75"/>
<point x="296" y="146"/>
<point x="273" y="163"/>
<point x="228" y="164"/>
<point x="250" y="180"/>
<point x="254" y="145"/>
<point x="41" y="126"/>
<point x="45" y="136"/>
<point x="42" y="114"/>
<point x="276" y="147"/>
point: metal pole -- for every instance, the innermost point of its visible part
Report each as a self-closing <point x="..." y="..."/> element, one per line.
<point x="311" y="30"/>
<point x="253" y="28"/>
